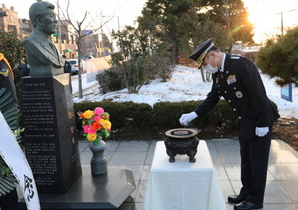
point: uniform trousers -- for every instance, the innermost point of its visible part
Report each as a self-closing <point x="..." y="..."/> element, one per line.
<point x="254" y="164"/>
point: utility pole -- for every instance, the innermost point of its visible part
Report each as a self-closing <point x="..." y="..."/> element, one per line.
<point x="59" y="28"/>
<point x="282" y="24"/>
<point x="282" y="20"/>
<point x="118" y="23"/>
<point x="102" y="49"/>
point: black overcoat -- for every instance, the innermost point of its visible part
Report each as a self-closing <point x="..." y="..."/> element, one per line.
<point x="241" y="86"/>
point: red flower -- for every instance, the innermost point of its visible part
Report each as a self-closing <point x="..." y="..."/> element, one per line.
<point x="96" y="125"/>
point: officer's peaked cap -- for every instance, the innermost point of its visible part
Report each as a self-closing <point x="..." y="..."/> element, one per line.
<point x="199" y="54"/>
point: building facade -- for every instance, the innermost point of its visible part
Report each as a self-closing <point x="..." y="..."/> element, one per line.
<point x="9" y="20"/>
<point x="64" y="39"/>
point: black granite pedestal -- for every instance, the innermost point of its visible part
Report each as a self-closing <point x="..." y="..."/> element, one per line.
<point x="50" y="137"/>
<point x="105" y="191"/>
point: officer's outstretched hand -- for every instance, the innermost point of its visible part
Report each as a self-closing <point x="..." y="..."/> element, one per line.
<point x="262" y="131"/>
<point x="186" y="118"/>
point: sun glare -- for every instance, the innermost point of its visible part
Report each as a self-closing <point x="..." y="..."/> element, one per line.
<point x="271" y="17"/>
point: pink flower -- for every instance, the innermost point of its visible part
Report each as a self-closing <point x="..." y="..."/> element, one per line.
<point x="98" y="111"/>
<point x="96" y="117"/>
<point x="89" y="129"/>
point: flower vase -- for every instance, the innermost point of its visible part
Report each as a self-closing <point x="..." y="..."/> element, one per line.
<point x="98" y="161"/>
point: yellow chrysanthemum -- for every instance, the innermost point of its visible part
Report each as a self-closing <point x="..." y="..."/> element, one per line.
<point x="88" y="114"/>
<point x="91" y="136"/>
<point x="101" y="121"/>
<point x="107" y="124"/>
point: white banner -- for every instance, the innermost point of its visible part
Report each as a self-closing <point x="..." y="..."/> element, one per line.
<point x="14" y="157"/>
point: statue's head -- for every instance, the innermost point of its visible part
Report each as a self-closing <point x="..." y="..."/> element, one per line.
<point x="43" y="17"/>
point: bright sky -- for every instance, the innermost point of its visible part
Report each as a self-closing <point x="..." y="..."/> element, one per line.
<point x="124" y="11"/>
<point x="265" y="14"/>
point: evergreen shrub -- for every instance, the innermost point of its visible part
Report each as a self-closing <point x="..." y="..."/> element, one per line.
<point x="125" y="115"/>
<point x="110" y="80"/>
<point x="130" y="115"/>
<point x="167" y="115"/>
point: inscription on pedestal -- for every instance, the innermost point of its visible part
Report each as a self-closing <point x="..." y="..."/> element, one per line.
<point x="51" y="143"/>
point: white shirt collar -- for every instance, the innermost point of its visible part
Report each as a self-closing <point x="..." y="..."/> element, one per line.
<point x="223" y="62"/>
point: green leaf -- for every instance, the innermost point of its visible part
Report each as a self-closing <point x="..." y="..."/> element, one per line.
<point x="10" y="111"/>
<point x="6" y="100"/>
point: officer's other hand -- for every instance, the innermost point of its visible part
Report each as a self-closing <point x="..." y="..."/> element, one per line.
<point x="186" y="118"/>
<point x="262" y="131"/>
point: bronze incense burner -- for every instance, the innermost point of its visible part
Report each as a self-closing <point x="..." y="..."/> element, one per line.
<point x="181" y="141"/>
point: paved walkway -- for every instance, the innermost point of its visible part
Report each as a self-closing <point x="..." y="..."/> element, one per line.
<point x="281" y="190"/>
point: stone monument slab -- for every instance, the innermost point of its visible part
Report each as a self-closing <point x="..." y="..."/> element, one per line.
<point x="51" y="143"/>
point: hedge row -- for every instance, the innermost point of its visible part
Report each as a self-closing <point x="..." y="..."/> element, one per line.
<point x="165" y="115"/>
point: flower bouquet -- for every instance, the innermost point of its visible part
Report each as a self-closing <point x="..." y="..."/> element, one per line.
<point x="96" y="124"/>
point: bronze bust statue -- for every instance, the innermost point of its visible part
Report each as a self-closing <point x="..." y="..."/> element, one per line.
<point x="44" y="59"/>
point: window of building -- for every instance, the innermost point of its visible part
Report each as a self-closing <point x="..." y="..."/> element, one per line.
<point x="12" y="28"/>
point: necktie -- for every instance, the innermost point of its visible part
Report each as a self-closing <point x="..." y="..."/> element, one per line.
<point x="51" y="45"/>
<point x="220" y="73"/>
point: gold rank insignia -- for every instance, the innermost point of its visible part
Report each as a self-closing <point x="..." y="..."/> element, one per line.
<point x="4" y="66"/>
<point x="231" y="79"/>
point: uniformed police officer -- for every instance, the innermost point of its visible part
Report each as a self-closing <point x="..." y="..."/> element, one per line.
<point x="237" y="79"/>
<point x="9" y="201"/>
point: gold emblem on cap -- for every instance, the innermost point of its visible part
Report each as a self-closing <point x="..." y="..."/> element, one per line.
<point x="202" y="57"/>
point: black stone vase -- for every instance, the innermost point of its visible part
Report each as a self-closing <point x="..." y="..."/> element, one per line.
<point x="98" y="161"/>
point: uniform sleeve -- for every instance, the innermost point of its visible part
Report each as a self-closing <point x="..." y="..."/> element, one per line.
<point x="211" y="100"/>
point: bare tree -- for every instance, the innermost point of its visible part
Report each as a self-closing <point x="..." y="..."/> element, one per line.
<point x="78" y="32"/>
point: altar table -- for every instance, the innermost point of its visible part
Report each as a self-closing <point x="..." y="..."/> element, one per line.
<point x="182" y="185"/>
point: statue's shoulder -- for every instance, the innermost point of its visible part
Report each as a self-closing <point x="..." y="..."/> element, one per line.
<point x="34" y="37"/>
<point x="29" y="41"/>
<point x="33" y="40"/>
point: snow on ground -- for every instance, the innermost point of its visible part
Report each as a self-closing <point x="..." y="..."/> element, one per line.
<point x="186" y="84"/>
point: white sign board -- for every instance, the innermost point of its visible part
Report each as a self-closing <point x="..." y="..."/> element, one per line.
<point x="14" y="157"/>
<point x="96" y="66"/>
<point x="286" y="92"/>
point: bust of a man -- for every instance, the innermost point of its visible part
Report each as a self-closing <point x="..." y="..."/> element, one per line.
<point x="44" y="59"/>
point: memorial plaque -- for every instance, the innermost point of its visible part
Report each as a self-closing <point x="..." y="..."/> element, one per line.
<point x="51" y="143"/>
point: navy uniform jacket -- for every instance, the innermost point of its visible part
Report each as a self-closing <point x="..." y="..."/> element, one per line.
<point x="7" y="77"/>
<point x="241" y="86"/>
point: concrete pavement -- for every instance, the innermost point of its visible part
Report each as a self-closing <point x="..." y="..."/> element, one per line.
<point x="282" y="178"/>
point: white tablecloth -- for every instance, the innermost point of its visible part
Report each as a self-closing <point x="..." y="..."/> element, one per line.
<point x="182" y="185"/>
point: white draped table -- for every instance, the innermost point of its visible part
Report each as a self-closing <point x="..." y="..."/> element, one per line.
<point x="182" y="185"/>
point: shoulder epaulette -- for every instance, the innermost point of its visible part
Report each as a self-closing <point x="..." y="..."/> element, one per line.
<point x="235" y="57"/>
